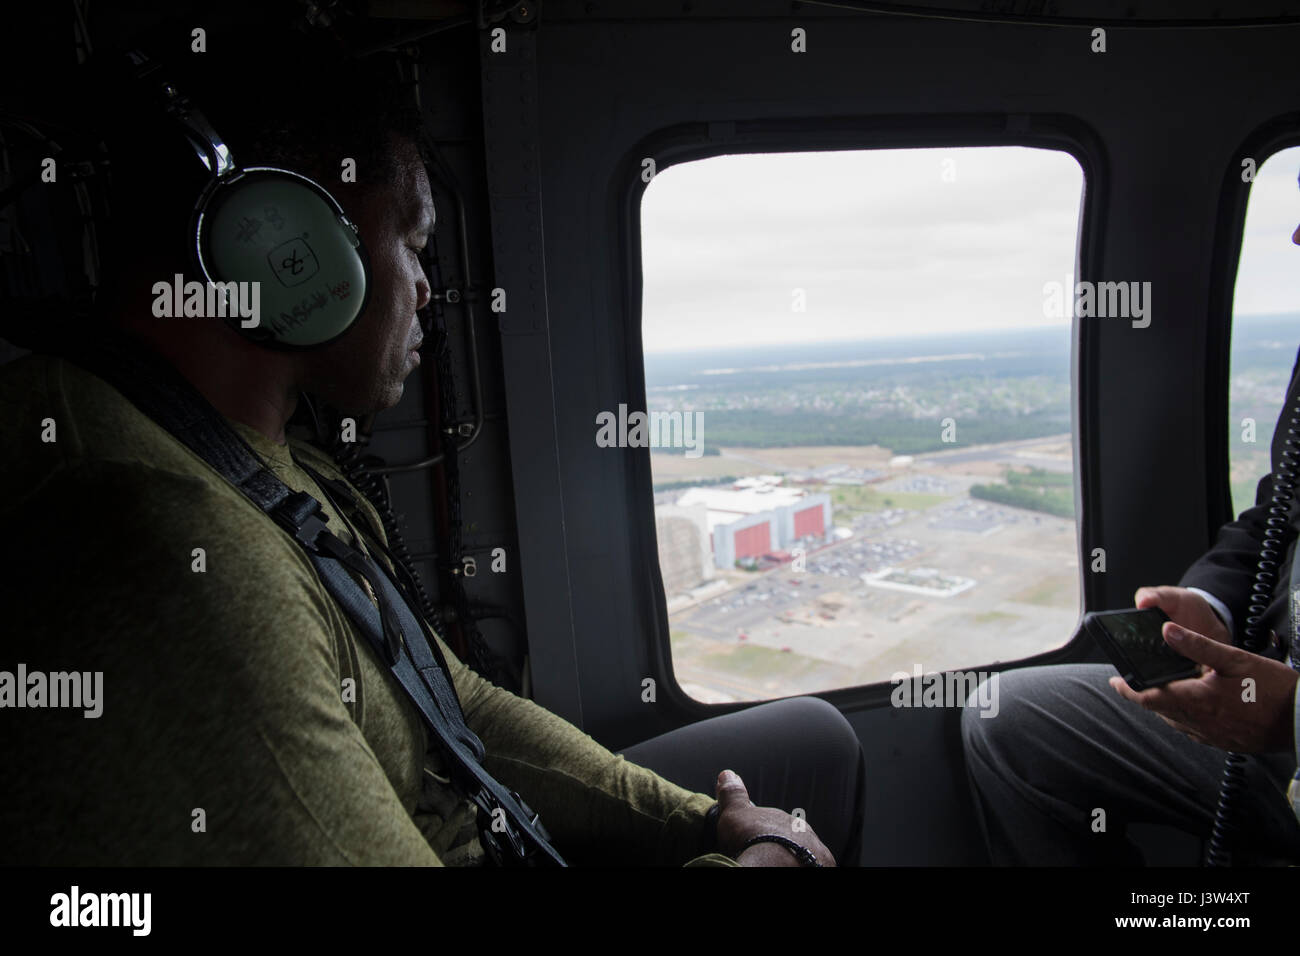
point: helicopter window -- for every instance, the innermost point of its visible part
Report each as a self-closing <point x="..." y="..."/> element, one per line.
<point x="858" y="385"/>
<point x="1264" y="322"/>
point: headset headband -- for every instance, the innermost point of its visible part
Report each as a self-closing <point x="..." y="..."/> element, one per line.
<point x="275" y="228"/>
<point x="206" y="142"/>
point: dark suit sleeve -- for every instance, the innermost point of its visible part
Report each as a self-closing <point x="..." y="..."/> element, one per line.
<point x="1227" y="570"/>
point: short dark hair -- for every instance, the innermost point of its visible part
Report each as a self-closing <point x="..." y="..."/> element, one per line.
<point x="276" y="99"/>
<point x="312" y="111"/>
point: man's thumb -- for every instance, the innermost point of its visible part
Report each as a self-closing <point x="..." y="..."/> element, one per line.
<point x="1224" y="658"/>
<point x="731" y="791"/>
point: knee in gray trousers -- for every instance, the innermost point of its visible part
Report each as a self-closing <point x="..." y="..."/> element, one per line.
<point x="1067" y="763"/>
<point x="795" y="754"/>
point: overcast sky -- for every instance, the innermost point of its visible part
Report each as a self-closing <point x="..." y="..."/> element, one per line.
<point x="894" y="242"/>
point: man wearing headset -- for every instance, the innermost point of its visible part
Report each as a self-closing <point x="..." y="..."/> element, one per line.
<point x="243" y="720"/>
<point x="1069" y="741"/>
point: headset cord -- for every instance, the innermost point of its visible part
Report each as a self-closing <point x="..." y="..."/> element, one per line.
<point x="1272" y="552"/>
<point x="373" y="490"/>
<point x="397" y="552"/>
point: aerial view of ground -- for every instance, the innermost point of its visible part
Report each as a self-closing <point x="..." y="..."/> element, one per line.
<point x="782" y="631"/>
<point x="948" y="464"/>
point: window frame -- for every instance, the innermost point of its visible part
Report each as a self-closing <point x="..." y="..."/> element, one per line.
<point x="1266" y="141"/>
<point x="696" y="141"/>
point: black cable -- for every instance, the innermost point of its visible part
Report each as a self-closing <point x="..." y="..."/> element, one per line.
<point x="350" y="461"/>
<point x="347" y="456"/>
<point x="1271" y="554"/>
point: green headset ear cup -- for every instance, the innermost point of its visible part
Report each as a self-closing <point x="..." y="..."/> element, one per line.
<point x="288" y="234"/>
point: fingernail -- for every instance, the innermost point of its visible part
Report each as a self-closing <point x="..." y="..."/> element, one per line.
<point x="727" y="777"/>
<point x="1175" y="634"/>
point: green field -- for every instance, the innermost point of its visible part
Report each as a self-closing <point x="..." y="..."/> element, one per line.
<point x="856" y="499"/>
<point x="1034" y="489"/>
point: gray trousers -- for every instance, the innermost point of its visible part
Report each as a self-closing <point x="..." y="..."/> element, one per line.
<point x="798" y="753"/>
<point x="1064" y="745"/>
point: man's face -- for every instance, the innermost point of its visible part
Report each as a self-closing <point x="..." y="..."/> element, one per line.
<point x="364" y="370"/>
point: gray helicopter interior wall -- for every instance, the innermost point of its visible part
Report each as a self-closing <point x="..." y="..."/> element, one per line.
<point x="1158" y="122"/>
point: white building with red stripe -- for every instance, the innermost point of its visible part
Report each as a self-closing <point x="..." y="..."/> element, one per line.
<point x="752" y="521"/>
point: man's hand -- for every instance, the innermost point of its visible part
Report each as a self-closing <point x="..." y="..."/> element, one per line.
<point x="1186" y="608"/>
<point x="1211" y="710"/>
<point x="739" y="819"/>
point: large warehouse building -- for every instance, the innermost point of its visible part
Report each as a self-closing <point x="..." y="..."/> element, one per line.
<point x="751" y="522"/>
<point x="685" y="554"/>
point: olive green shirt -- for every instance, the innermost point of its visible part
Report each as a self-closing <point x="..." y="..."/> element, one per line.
<point x="244" y="720"/>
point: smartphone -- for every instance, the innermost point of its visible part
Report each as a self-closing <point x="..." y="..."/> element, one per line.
<point x="1133" y="641"/>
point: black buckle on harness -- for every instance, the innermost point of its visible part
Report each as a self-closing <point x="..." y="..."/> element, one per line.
<point x="507" y="846"/>
<point x="299" y="515"/>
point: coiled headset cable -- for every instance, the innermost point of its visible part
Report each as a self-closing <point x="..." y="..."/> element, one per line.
<point x="1277" y="529"/>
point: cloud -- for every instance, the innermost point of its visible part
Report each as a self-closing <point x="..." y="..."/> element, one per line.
<point x="882" y="244"/>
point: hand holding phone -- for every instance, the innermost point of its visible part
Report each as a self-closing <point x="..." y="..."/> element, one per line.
<point x="1134" y="641"/>
<point x="1186" y="608"/>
